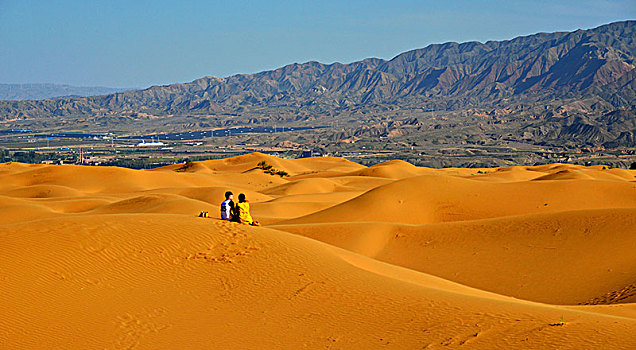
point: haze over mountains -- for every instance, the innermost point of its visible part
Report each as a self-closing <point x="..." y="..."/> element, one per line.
<point x="13" y="92"/>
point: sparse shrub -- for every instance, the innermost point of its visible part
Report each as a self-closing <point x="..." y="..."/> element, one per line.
<point x="561" y="322"/>
<point x="263" y="165"/>
<point x="187" y="165"/>
<point x="269" y="169"/>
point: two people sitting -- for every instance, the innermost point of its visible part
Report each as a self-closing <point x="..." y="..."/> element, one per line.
<point x="237" y="212"/>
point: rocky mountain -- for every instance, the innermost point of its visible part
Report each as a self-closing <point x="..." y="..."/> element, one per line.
<point x="16" y="92"/>
<point x="538" y="73"/>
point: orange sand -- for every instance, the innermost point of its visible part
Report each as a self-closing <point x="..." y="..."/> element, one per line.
<point x="354" y="257"/>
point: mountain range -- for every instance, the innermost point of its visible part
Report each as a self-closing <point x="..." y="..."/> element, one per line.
<point x="544" y="74"/>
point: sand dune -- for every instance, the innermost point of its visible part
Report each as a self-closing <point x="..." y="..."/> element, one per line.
<point x="440" y="198"/>
<point x="19" y="211"/>
<point x="211" y="194"/>
<point x="248" y="162"/>
<point x="43" y="191"/>
<point x="307" y="186"/>
<point x="557" y="258"/>
<point x="395" y="169"/>
<point x="125" y="281"/>
<point x="351" y="257"/>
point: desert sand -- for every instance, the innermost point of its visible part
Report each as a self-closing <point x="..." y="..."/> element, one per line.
<point x="348" y="257"/>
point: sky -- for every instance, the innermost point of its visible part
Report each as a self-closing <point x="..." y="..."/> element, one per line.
<point x="136" y="44"/>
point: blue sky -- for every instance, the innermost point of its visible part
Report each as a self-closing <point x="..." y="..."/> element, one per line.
<point x="141" y="43"/>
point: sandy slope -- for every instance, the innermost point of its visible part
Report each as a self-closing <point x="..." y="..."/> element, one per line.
<point x="352" y="257"/>
<point x="440" y="198"/>
<point x="558" y="258"/>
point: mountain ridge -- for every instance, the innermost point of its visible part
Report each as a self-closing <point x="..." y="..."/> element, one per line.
<point x="448" y="69"/>
<point x="537" y="74"/>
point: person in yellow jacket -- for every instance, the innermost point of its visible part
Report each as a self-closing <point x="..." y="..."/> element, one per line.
<point x="243" y="208"/>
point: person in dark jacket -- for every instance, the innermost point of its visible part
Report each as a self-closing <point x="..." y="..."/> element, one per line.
<point x="227" y="207"/>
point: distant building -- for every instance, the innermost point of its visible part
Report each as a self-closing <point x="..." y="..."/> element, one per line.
<point x="308" y="154"/>
<point x="152" y="143"/>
